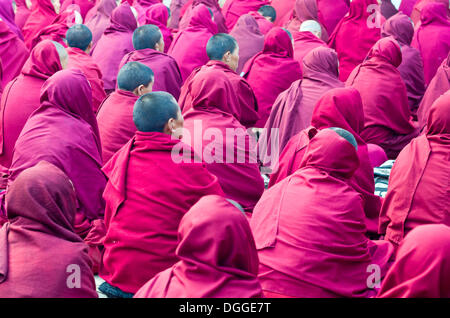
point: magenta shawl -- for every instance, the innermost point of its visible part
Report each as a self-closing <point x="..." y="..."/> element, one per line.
<point x="22" y="13"/>
<point x="189" y="46"/>
<point x="352" y="38"/>
<point x="422" y="265"/>
<point x="264" y="25"/>
<point x="330" y="12"/>
<point x="41" y="206"/>
<point x="420" y="5"/>
<point x="115" y="42"/>
<point x="42" y="14"/>
<point x="386" y="110"/>
<point x="432" y="38"/>
<point x="305" y="42"/>
<point x="303" y="243"/>
<point x="98" y="18"/>
<point x="7" y="15"/>
<point x="418" y="184"/>
<point x="82" y="6"/>
<point x="249" y="38"/>
<point x="158" y="15"/>
<point x="219" y="20"/>
<point x="142" y="6"/>
<point x="234" y="9"/>
<point x="400" y="27"/>
<point x="273" y="68"/>
<point x="217" y="253"/>
<point x="49" y="135"/>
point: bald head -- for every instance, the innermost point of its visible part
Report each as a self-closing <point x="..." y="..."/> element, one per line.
<point x="79" y="36"/>
<point x="268" y="12"/>
<point x="346" y="135"/>
<point x="223" y="47"/>
<point x="156" y="112"/>
<point x="311" y="26"/>
<point x="148" y="36"/>
<point x="134" y="75"/>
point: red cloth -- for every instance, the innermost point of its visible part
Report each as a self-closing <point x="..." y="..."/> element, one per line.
<point x="49" y="135"/>
<point x="230" y="156"/>
<point x="305" y="42"/>
<point x="340" y="107"/>
<point x="432" y="38"/>
<point x="146" y="196"/>
<point x="114" y="44"/>
<point x="353" y="38"/>
<point x="422" y="265"/>
<point x="219" y="20"/>
<point x="233" y="9"/>
<point x="264" y="25"/>
<point x="220" y="87"/>
<point x="158" y="14"/>
<point x="420" y="5"/>
<point x="13" y="54"/>
<point x="273" y="68"/>
<point x="305" y="10"/>
<point x="284" y="9"/>
<point x="438" y="86"/>
<point x="217" y="256"/>
<point x="316" y="246"/>
<point x="249" y="38"/>
<point x="386" y="108"/>
<point x="142" y="6"/>
<point x="21" y="96"/>
<point x="97" y="20"/>
<point x="330" y="12"/>
<point x="115" y="122"/>
<point x="189" y="46"/>
<point x="42" y="15"/>
<point x="83" y="5"/>
<point x="167" y="73"/>
<point x="22" y="13"/>
<point x="79" y="59"/>
<point x="411" y="70"/>
<point x="42" y="206"/>
<point x="418" y="184"/>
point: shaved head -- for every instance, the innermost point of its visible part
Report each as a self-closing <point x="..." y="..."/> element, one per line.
<point x="79" y="36"/>
<point x="134" y="74"/>
<point x="268" y="12"/>
<point x="220" y="44"/>
<point x="311" y="26"/>
<point x="146" y="37"/>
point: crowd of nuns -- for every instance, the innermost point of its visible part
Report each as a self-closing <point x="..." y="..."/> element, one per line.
<point x="225" y="149"/>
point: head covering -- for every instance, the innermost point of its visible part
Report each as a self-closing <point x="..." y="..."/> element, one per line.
<point x="41" y="206"/>
<point x="189" y="46"/>
<point x="83" y="6"/>
<point x="158" y="14"/>
<point x="400" y="27"/>
<point x="219" y="20"/>
<point x="422" y="265"/>
<point x="217" y="254"/>
<point x="273" y="68"/>
<point x="386" y="108"/>
<point x="233" y="9"/>
<point x="325" y="227"/>
<point x="352" y="38"/>
<point x="438" y="86"/>
<point x="115" y="42"/>
<point x="284" y="9"/>
<point x="420" y="5"/>
<point x="330" y="12"/>
<point x="42" y="14"/>
<point x="142" y="6"/>
<point x="250" y="40"/>
<point x="98" y="18"/>
<point x="305" y="10"/>
<point x="48" y="135"/>
<point x="7" y="15"/>
<point x="418" y="184"/>
<point x="22" y="13"/>
<point x="432" y="38"/>
<point x="304" y="42"/>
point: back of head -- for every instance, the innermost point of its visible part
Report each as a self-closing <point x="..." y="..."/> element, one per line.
<point x="134" y="74"/>
<point x="321" y="60"/>
<point x="439" y="116"/>
<point x="220" y="44"/>
<point x="388" y="50"/>
<point x="435" y="12"/>
<point x="279" y="41"/>
<point x="79" y="36"/>
<point x="400" y="26"/>
<point x="311" y="26"/>
<point x="146" y="37"/>
<point x="153" y="110"/>
<point x="269" y="12"/>
<point x="44" y="60"/>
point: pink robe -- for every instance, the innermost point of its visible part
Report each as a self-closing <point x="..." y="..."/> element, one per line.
<point x="305" y="42"/>
<point x="418" y="184"/>
<point x="83" y="5"/>
<point x="142" y="6"/>
<point x="49" y="135"/>
<point x="386" y="109"/>
<point x="420" y="5"/>
<point x="422" y="265"/>
<point x="146" y="197"/>
<point x="217" y="256"/>
<point x="273" y="68"/>
<point x="432" y="38"/>
<point x="284" y="9"/>
<point x="330" y="12"/>
<point x="233" y="9"/>
<point x="79" y="59"/>
<point x="42" y="15"/>
<point x="249" y="38"/>
<point x="16" y="106"/>
<point x="158" y="15"/>
<point x="114" y="44"/>
<point x="189" y="46"/>
<point x="167" y="73"/>
<point x="264" y="25"/>
<point x="98" y="18"/>
<point x="22" y="13"/>
<point x="353" y="38"/>
<point x="175" y="8"/>
<point x="42" y="207"/>
<point x="309" y="228"/>
<point x="7" y="16"/>
<point x="219" y="20"/>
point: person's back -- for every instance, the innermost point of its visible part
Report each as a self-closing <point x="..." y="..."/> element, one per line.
<point x="307" y="39"/>
<point x="115" y="115"/>
<point x="148" y="193"/>
<point x="79" y="39"/>
<point x="149" y="46"/>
